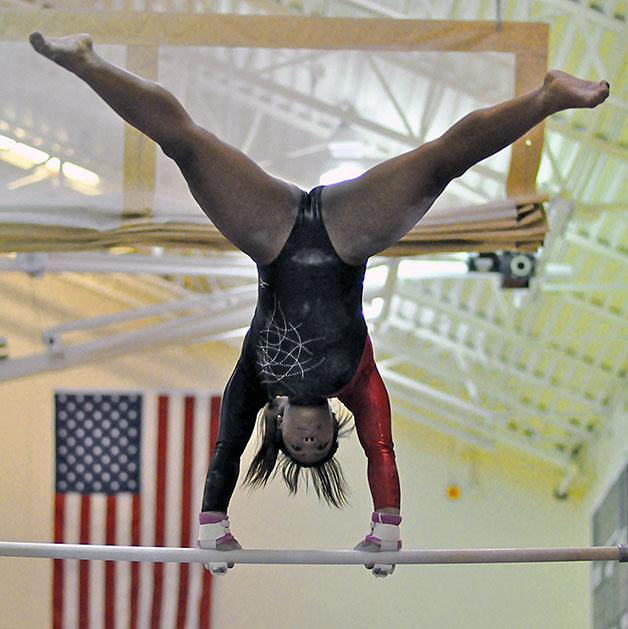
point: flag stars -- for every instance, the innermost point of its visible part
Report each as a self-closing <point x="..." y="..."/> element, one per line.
<point x="97" y="443"/>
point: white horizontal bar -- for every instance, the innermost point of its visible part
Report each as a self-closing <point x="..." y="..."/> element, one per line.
<point x="311" y="557"/>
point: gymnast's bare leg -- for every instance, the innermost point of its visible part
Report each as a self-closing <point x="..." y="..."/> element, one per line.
<point x="366" y="215"/>
<point x="252" y="209"/>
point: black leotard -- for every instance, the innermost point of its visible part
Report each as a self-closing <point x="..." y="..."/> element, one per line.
<point x="308" y="330"/>
<point x="305" y="341"/>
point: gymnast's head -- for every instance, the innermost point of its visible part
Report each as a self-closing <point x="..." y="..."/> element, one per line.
<point x="300" y="441"/>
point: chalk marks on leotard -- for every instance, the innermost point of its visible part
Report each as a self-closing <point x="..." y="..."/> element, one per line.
<point x="281" y="351"/>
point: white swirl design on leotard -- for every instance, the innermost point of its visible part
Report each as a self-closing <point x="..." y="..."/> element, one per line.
<point x="281" y="351"/>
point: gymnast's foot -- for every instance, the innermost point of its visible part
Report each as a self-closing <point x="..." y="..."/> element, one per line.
<point x="70" y="52"/>
<point x="564" y="91"/>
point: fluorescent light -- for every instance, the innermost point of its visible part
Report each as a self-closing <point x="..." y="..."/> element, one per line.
<point x="29" y="153"/>
<point x="20" y="155"/>
<point x="342" y="172"/>
<point x="6" y="143"/>
<point x="26" y="157"/>
<point x="53" y="165"/>
<point x="80" y="175"/>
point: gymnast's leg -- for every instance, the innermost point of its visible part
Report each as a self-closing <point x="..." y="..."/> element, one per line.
<point x="252" y="209"/>
<point x="386" y="202"/>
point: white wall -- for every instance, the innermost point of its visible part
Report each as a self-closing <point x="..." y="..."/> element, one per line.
<point x="610" y="452"/>
<point x="506" y="502"/>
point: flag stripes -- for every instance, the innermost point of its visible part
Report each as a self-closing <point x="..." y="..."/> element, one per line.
<point x="173" y="455"/>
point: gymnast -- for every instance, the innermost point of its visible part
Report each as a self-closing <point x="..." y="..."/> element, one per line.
<point x="308" y="341"/>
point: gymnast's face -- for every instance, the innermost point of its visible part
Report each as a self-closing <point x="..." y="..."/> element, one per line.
<point x="307" y="431"/>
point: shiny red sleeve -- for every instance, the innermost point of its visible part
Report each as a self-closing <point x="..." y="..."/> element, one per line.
<point x="366" y="397"/>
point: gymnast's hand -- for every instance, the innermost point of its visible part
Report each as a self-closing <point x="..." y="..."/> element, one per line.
<point x="384" y="536"/>
<point x="214" y="534"/>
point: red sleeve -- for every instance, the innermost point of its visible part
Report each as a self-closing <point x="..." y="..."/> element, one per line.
<point x="366" y="397"/>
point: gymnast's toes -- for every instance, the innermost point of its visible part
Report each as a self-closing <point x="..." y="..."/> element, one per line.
<point x="70" y="52"/>
<point x="38" y="42"/>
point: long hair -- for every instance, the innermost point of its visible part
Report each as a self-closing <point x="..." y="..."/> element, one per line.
<point x="324" y="476"/>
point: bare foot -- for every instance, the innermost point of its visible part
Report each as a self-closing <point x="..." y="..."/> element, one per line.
<point x="69" y="52"/>
<point x="564" y="91"/>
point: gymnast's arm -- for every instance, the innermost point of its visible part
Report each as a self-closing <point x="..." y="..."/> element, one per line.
<point x="368" y="400"/>
<point x="243" y="398"/>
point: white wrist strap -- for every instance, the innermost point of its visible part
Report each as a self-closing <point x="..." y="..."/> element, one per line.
<point x="212" y="533"/>
<point x="385" y="531"/>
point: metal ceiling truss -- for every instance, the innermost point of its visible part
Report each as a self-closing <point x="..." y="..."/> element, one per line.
<point x="212" y="315"/>
<point x="589" y="20"/>
<point x="459" y="355"/>
<point x="502" y="337"/>
<point x="193" y="319"/>
<point x="222" y="265"/>
<point x="322" y="118"/>
<point x="435" y="363"/>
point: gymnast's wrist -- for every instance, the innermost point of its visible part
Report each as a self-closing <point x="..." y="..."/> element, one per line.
<point x="388" y="510"/>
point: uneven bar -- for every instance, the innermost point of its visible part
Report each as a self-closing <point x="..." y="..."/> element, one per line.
<point x="312" y="557"/>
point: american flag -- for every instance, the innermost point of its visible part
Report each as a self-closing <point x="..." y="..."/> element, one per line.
<point x="130" y="470"/>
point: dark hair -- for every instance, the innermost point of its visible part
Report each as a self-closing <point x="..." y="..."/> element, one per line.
<point x="325" y="476"/>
